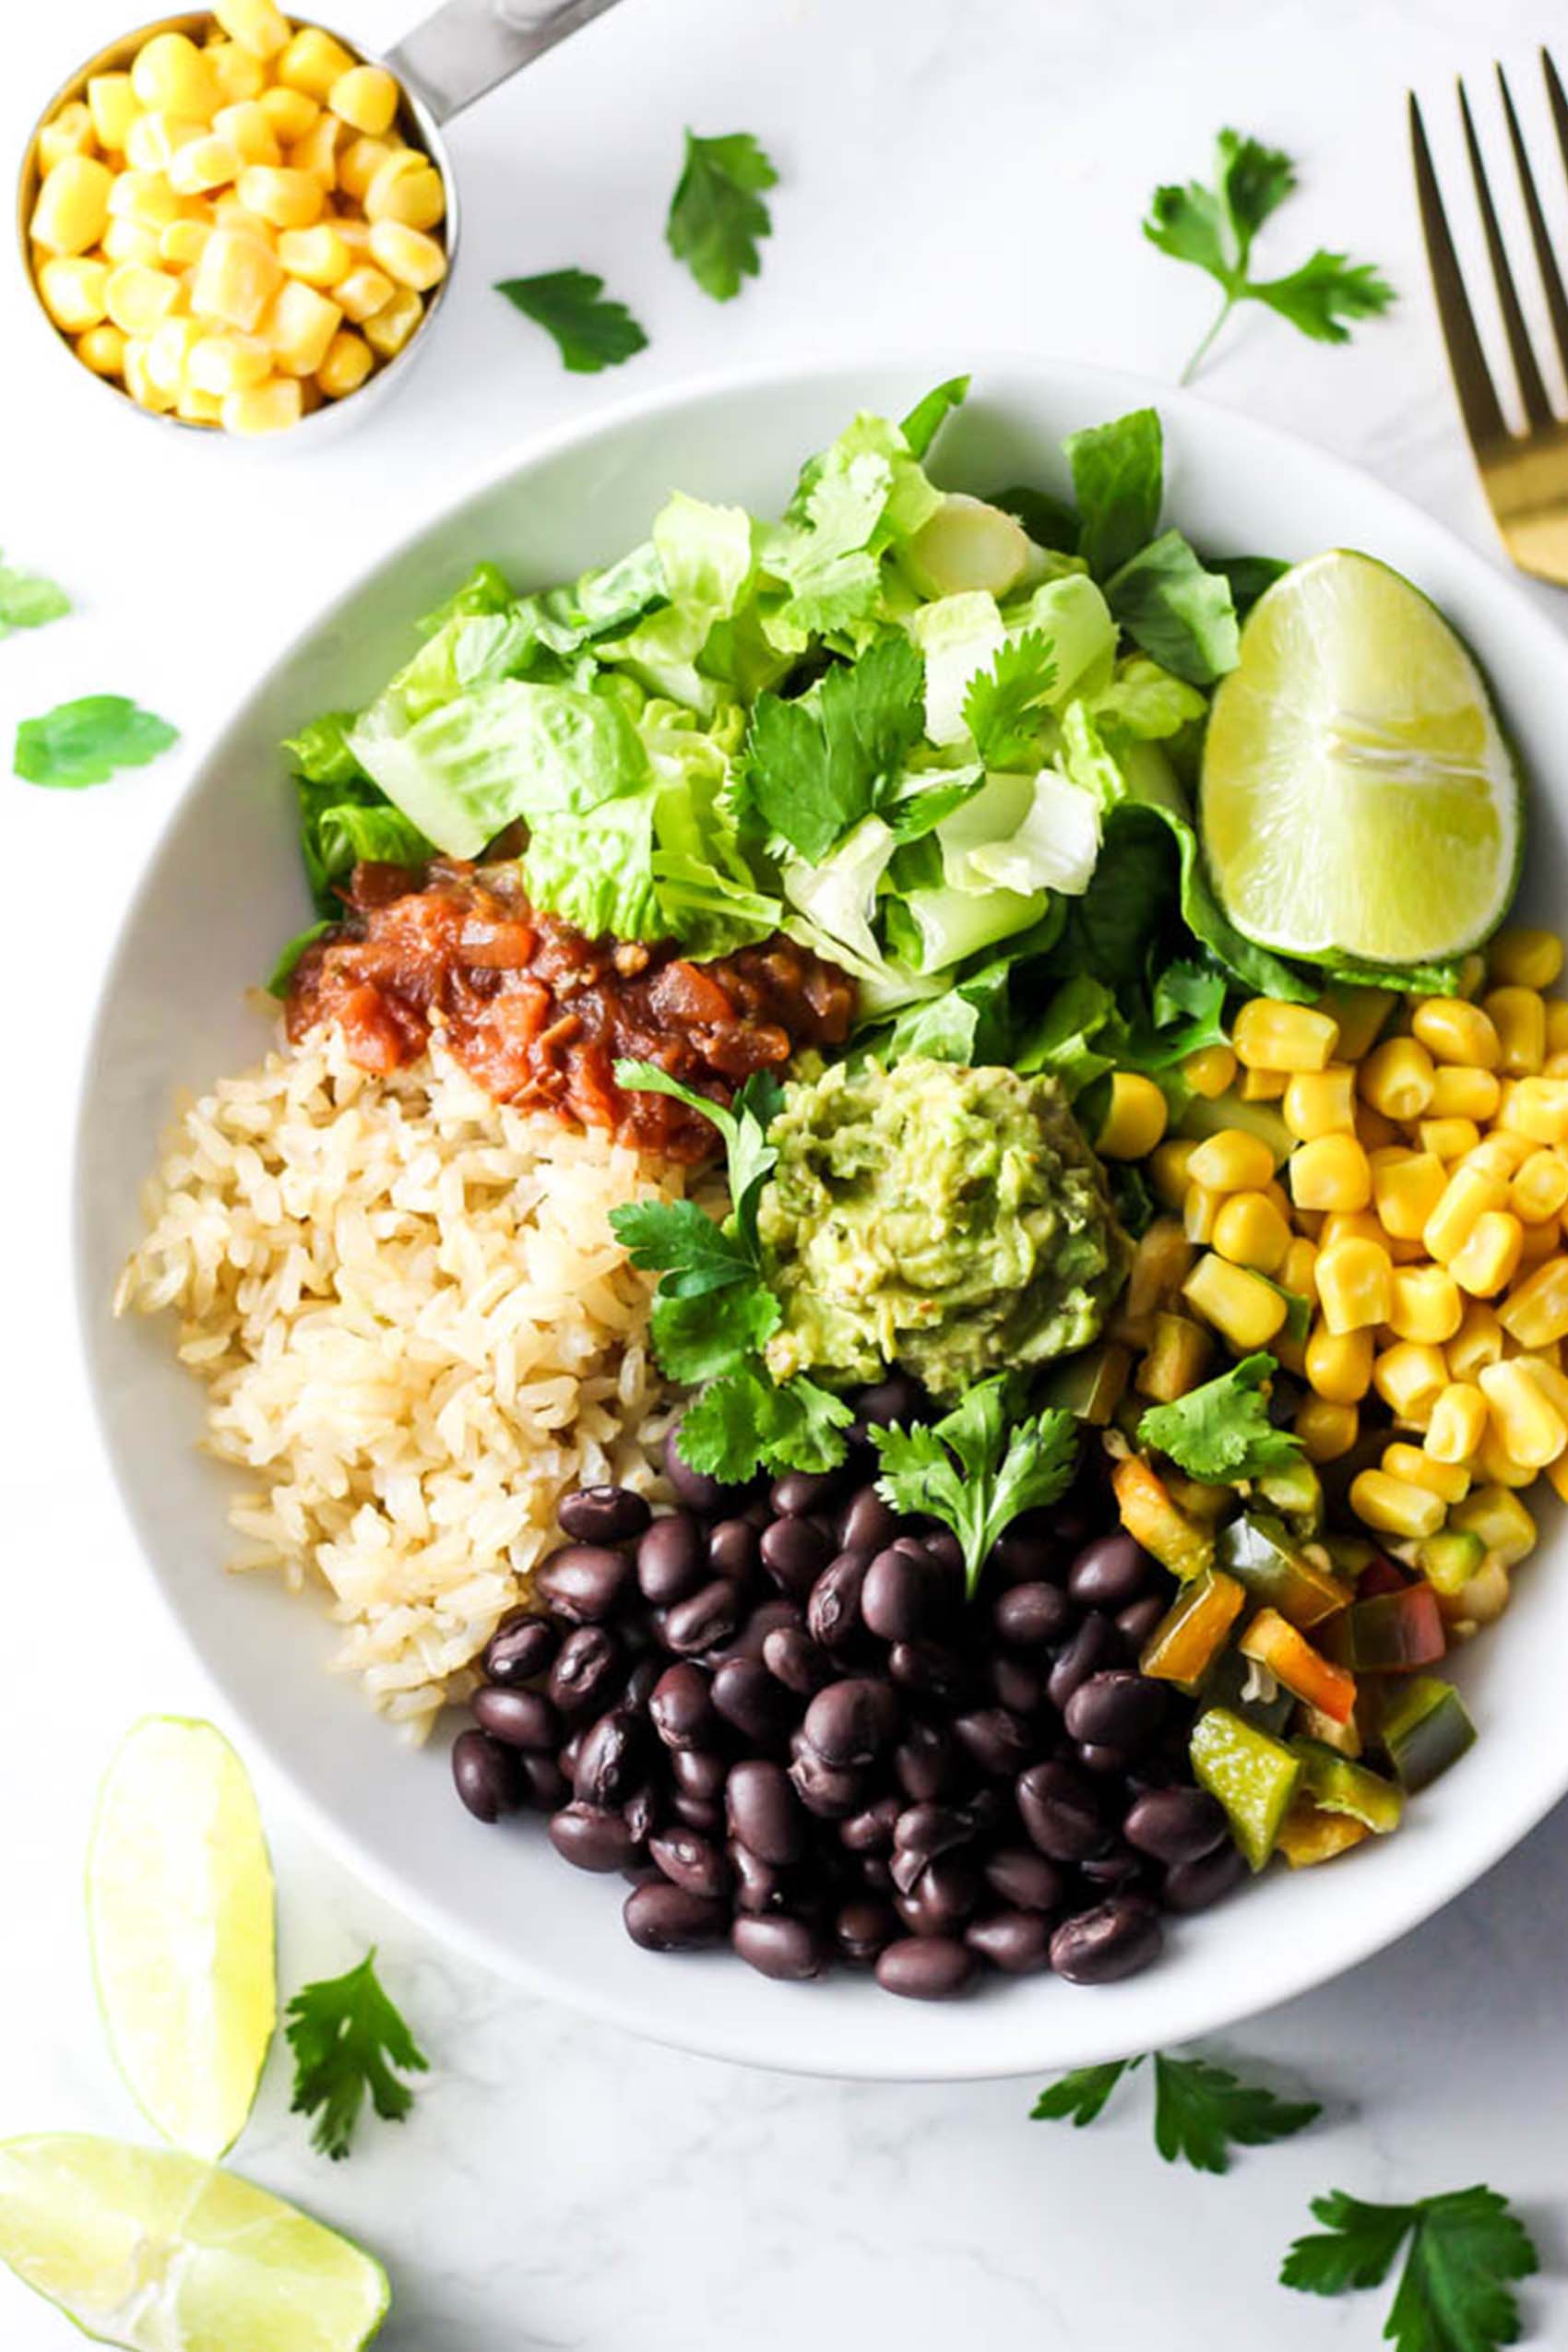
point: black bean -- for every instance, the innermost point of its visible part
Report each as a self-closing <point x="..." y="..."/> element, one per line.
<point x="862" y="1928"/>
<point x="1192" y="1886"/>
<point x="692" y="1861"/>
<point x="486" y="1774"/>
<point x="704" y="1618"/>
<point x="680" y="1709"/>
<point x="867" y="1523"/>
<point x="759" y="1885"/>
<point x="851" y="1722"/>
<point x="1116" y="1939"/>
<point x="894" y="1402"/>
<point x="1116" y="1710"/>
<point x="1104" y="1763"/>
<point x="750" y="1638"/>
<point x="1001" y="1744"/>
<point x="832" y="1612"/>
<point x="705" y="1814"/>
<point x="608" y="1759"/>
<point x="693" y="1489"/>
<point x="567" y="1758"/>
<point x="944" y="1548"/>
<point x="641" y="1683"/>
<point x="603" y="1515"/>
<point x="666" y="1919"/>
<point x="1096" y="1645"/>
<point x="870" y="1832"/>
<point x="746" y="1695"/>
<point x="733" y="1549"/>
<point x="670" y="1559"/>
<point x="926" y="1967"/>
<point x="1029" y="1616"/>
<point x="876" y="1873"/>
<point x="922" y="1832"/>
<point x="1021" y="1557"/>
<point x="1060" y="1813"/>
<point x="925" y="1760"/>
<point x="523" y="1718"/>
<point x="1138" y="1620"/>
<point x="584" y="1583"/>
<point x="522" y="1648"/>
<point x="591" y="1838"/>
<point x="792" y="1657"/>
<point x="908" y="1597"/>
<point x="1012" y="1682"/>
<point x="800" y="1491"/>
<point x="779" y="1946"/>
<point x="794" y="1552"/>
<point x="545" y="1786"/>
<point x="946" y="1891"/>
<point x="928" y="1668"/>
<point x="1019" y="1942"/>
<point x="1175" y="1825"/>
<point x="640" y="1812"/>
<point x="1119" y="1866"/>
<point x="587" y="1673"/>
<point x="1109" y="1572"/>
<point x="764" y="1810"/>
<point x="833" y="1792"/>
<point x="700" y="1776"/>
<point x="1024" y="1880"/>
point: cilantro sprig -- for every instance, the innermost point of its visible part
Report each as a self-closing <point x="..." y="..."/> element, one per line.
<point x="347" y="2036"/>
<point x="1464" y="2250"/>
<point x="591" y="331"/>
<point x="716" y="213"/>
<point x="1004" y="706"/>
<point x="1200" y="2111"/>
<point x="1221" y="1431"/>
<point x="815" y="768"/>
<point x="973" y="1471"/>
<point x="1213" y="224"/>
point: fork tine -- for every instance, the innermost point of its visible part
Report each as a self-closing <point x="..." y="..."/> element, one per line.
<point x="1472" y="379"/>
<point x="1532" y="391"/>
<point x="1546" y="260"/>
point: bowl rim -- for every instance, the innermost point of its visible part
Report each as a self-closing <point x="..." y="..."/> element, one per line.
<point x="1197" y="2011"/>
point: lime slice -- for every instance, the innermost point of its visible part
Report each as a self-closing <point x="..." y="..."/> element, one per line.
<point x="179" y="1897"/>
<point x="1357" y="795"/>
<point x="156" y="2250"/>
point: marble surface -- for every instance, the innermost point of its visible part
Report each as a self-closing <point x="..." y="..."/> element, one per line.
<point x="969" y="171"/>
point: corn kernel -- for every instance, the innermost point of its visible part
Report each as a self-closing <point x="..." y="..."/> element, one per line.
<point x="1447" y="1139"/>
<point x="228" y="212"/>
<point x="197" y="408"/>
<point x="1396" y="1078"/>
<point x="1502" y="1522"/>
<point x="290" y="114"/>
<point x="1499" y="1154"/>
<point x="366" y="99"/>
<point x="241" y="80"/>
<point x="1518" y="1015"/>
<point x="112" y="102"/>
<point x="1373" y="1132"/>
<point x="1263" y="1086"/>
<point x="316" y="153"/>
<point x="73" y="205"/>
<point x="1210" y="1071"/>
<point x="1426" y="1303"/>
<point x="1555" y="1066"/>
<point x="1537" y="1243"/>
<point x="170" y="76"/>
<point x="1355" y="1285"/>
<point x="153" y="140"/>
<point x="1321" y="1102"/>
<point x="168" y="348"/>
<point x="72" y="288"/>
<point x="387" y="329"/>
<point x="236" y="278"/>
<point x="271" y="407"/>
<point x="103" y="348"/>
<point x="1330" y="1173"/>
<point x="1410" y="1377"/>
<point x="1458" y="1422"/>
<point x="318" y="255"/>
<point x="1455" y="1032"/>
<point x="182" y="245"/>
<point x="1248" y="1230"/>
<point x="312" y="60"/>
<point x="1478" y="1341"/>
<point x="1494" y="1466"/>
<point x="1527" y="1425"/>
<point x="1556" y="1024"/>
<point x="1556" y="1475"/>
<point x="1537" y="1109"/>
<point x="300" y="327"/>
<point x="258" y="25"/>
<point x="1394" y="1506"/>
<point x="204" y="164"/>
<point x="1268" y="1035"/>
<point x="1470" y="1193"/>
<point x="128" y="240"/>
<point x="287" y="198"/>
<point x="1450" y="1482"/>
<point x="363" y="293"/>
<point x="222" y="363"/>
<point x="1327" y="1431"/>
<point x="1200" y="1207"/>
<point x="1137" y="1113"/>
<point x="1536" y="1311"/>
<point x="137" y="298"/>
<point x="1353" y="1225"/>
<point x="1168" y="1161"/>
<point x="1340" y="1365"/>
<point x="1540" y="1188"/>
<point x="72" y="132"/>
<point x="1548" y="1377"/>
<point x="1461" y="1093"/>
<point x="1232" y="1161"/>
<point x="138" y="383"/>
<point x="146" y="198"/>
<point x="1246" y="1310"/>
<point x="1521" y="958"/>
<point x="1488" y="1258"/>
<point x="358" y="163"/>
<point x="348" y="362"/>
<point x="407" y="188"/>
<point x="1298" y="1271"/>
<point x="1407" y="1187"/>
<point x="248" y="132"/>
<point x="416" y="260"/>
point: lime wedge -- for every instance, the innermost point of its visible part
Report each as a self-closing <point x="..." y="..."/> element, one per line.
<point x="153" y="2250"/>
<point x="1358" y="794"/>
<point x="179" y="1897"/>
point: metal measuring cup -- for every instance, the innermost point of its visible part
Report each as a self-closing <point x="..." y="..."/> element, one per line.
<point x="465" y="48"/>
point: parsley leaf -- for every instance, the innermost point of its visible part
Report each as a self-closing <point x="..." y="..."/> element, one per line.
<point x="814" y="771"/>
<point x="1213" y="226"/>
<point x="347" y="2036"/>
<point x="744" y="1419"/>
<point x="592" y="334"/>
<point x="1078" y="2097"/>
<point x="28" y="600"/>
<point x="716" y="213"/>
<point x="1119" y="482"/>
<point x="1004" y="705"/>
<point x="84" y="743"/>
<point x="1455" y="2293"/>
<point x="1200" y="2111"/>
<point x="974" y="1473"/>
<point x="1221" y="1431"/>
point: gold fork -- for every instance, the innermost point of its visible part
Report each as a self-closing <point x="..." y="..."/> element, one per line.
<point x="1525" y="475"/>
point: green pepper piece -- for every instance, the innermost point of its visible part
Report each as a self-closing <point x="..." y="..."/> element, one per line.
<point x="1338" y="1784"/>
<point x="1190" y="1635"/>
<point x="1425" y="1728"/>
<point x="1223" y="1687"/>
<point x="1450" y="1559"/>
<point x="1351" y="1554"/>
<point x="1389" y="1633"/>
<point x="1253" y="1776"/>
<point x="1297" y="1491"/>
<point x="1091" y="1385"/>
<point x="1261" y="1552"/>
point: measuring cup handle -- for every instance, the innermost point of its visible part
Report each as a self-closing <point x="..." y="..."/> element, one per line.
<point x="470" y="45"/>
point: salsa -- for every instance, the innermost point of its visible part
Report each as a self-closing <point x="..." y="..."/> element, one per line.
<point x="539" y="1013"/>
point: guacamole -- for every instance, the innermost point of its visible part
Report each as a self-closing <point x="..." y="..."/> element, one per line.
<point x="948" y="1219"/>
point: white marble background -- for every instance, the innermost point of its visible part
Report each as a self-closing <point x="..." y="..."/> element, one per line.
<point x="969" y="171"/>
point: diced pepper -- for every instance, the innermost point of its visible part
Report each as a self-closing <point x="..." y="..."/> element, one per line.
<point x="1089" y="1385"/>
<point x="1292" y="1660"/>
<point x="1344" y="1739"/>
<point x="1296" y="1490"/>
<point x="1390" y="1634"/>
<point x="1189" y="1637"/>
<point x="1254" y="1778"/>
<point x="1309" y="1834"/>
<point x="1425" y="1728"/>
<point x="1351" y="1554"/>
<point x="1149" y="1516"/>
<point x="1233" y="1682"/>
<point x="1262" y="1554"/>
<point x="1338" y="1784"/>
<point x="1450" y="1559"/>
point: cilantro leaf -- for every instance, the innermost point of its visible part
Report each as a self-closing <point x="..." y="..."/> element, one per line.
<point x="28" y="600"/>
<point x="1003" y="706"/>
<point x="716" y="213"/>
<point x="677" y="1239"/>
<point x="743" y="1422"/>
<point x="744" y="1125"/>
<point x="1078" y="2097"/>
<point x="812" y="772"/>
<point x="1221" y="1431"/>
<point x="590" y="333"/>
<point x="83" y="743"/>
<point x="1213" y="227"/>
<point x="1181" y="614"/>
<point x="347" y="2036"/>
<point x="1454" y="2294"/>
<point x="1119" y="482"/>
<point x="927" y="417"/>
<point x="972" y="1472"/>
<point x="1201" y="2111"/>
<point x="702" y="1336"/>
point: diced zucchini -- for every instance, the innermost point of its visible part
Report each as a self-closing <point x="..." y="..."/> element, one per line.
<point x="1425" y="1727"/>
<point x="1091" y="1385"/>
<point x="1203" y="1117"/>
<point x="1261" y="1552"/>
<point x="1191" y="1634"/>
<point x="1310" y="1833"/>
<point x="1253" y="1776"/>
<point x="1390" y="1634"/>
<point x="1292" y="1660"/>
<point x="1336" y="1785"/>
<point x="1149" y="1516"/>
<point x="1450" y="1559"/>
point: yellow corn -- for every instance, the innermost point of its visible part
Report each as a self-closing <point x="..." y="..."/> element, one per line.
<point x="1461" y="1093"/>
<point x="1262" y="1086"/>
<point x="1135" y="1115"/>
<point x="137" y="298"/>
<point x="72" y="287"/>
<point x="128" y="240"/>
<point x="1210" y="1071"/>
<point x="1478" y="1341"/>
<point x="1394" y="1506"/>
<point x="1536" y="1311"/>
<point x="197" y="408"/>
<point x="1528" y="1425"/>
<point x="1418" y="1466"/>
<point x="1470" y="1193"/>
<point x="249" y="132"/>
<point x="1541" y="1189"/>
<point x="366" y="291"/>
<point x="1537" y="1107"/>
<point x="1499" y="1154"/>
<point x="299" y="327"/>
<point x="1248" y="1230"/>
<point x="1452" y="1031"/>
<point x="1448" y="1139"/>
<point x="1494" y="1466"/>
<point x="1502" y="1522"/>
<point x="1327" y="1431"/>
<point x="1246" y="1310"/>
<point x="1330" y="1173"/>
<point x="258" y="25"/>
<point x="387" y="331"/>
<point x="168" y="348"/>
<point x="407" y="188"/>
<point x="1200" y="1207"/>
<point x="1373" y="1132"/>
<point x="1396" y="1078"/>
<point x="1458" y="1422"/>
<point x="235" y="279"/>
<point x="182" y="245"/>
<point x="1407" y="1187"/>
<point x="286" y="198"/>
<point x="318" y="256"/>
<point x="1426" y="1303"/>
<point x="1339" y="1363"/>
<point x="112" y="102"/>
<point x="271" y="407"/>
<point x="1321" y="1102"/>
<point x="103" y="348"/>
<point x="1518" y="1015"/>
<point x="312" y="60"/>
<point x="1410" y="1377"/>
<point x="138" y="383"/>
<point x="1232" y="1161"/>
<point x="1488" y="1258"/>
<point x="413" y="259"/>
<point x="240" y="78"/>
<point x="358" y="164"/>
<point x="316" y="153"/>
<point x="1355" y="1285"/>
<point x="222" y="363"/>
<point x="365" y="98"/>
<point x="72" y="210"/>
<point x="348" y="361"/>
<point x="1537" y="1243"/>
<point x="1556" y="1024"/>
<point x="290" y="114"/>
<point x="204" y="164"/>
<point x="170" y="76"/>
<point x="1272" y="1036"/>
<point x="1354" y="1225"/>
<point x="1521" y="958"/>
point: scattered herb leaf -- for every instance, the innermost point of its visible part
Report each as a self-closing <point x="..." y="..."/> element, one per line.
<point x="347" y="2036"/>
<point x="973" y="1472"/>
<point x="1078" y="2097"/>
<point x="1200" y="2111"/>
<point x="83" y="743"/>
<point x="28" y="600"/>
<point x="590" y="332"/>
<point x="1465" y="2249"/>
<point x="1221" y="1431"/>
<point x="717" y="214"/>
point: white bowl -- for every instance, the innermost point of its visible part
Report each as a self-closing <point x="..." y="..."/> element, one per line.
<point x="224" y="890"/>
